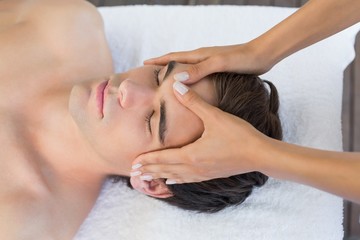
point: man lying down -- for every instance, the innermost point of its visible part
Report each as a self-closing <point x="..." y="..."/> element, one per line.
<point x="68" y="122"/>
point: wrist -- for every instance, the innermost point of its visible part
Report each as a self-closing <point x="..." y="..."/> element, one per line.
<point x="271" y="157"/>
<point x="260" y="152"/>
<point x="263" y="56"/>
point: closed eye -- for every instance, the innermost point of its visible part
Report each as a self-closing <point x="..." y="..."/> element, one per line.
<point x="148" y="121"/>
<point x="156" y="76"/>
<point x="149" y="116"/>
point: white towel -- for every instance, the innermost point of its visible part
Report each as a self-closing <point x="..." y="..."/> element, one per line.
<point x="310" y="88"/>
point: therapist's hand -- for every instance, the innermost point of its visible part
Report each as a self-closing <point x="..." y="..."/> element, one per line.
<point x="241" y="58"/>
<point x="228" y="146"/>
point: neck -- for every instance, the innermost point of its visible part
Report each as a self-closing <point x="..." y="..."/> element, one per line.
<point x="65" y="153"/>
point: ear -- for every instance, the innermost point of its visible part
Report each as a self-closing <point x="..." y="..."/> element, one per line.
<point x="155" y="188"/>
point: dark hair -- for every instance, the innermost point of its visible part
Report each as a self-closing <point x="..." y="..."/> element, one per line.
<point x="247" y="97"/>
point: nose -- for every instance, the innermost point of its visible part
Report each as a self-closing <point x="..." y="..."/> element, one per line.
<point x="134" y="94"/>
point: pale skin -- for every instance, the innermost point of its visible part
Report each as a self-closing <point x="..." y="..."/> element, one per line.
<point x="31" y="69"/>
<point x="243" y="148"/>
<point x="54" y="160"/>
<point x="59" y="142"/>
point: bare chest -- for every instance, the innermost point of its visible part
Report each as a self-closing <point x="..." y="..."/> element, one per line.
<point x="33" y="200"/>
<point x="33" y="212"/>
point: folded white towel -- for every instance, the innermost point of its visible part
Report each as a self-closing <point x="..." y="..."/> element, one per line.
<point x="310" y="88"/>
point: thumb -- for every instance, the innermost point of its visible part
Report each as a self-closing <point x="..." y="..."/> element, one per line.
<point x="193" y="101"/>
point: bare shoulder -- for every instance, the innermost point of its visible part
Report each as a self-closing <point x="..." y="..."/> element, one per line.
<point x="61" y="36"/>
<point x="15" y="11"/>
<point x="64" y="21"/>
<point x="75" y="33"/>
<point x="59" y="13"/>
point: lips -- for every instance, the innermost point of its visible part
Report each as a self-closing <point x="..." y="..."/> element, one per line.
<point x="100" y="94"/>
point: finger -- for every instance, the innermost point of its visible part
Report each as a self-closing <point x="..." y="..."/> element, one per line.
<point x="156" y="61"/>
<point x="166" y="156"/>
<point x="182" y="57"/>
<point x="162" y="170"/>
<point x="157" y="171"/>
<point x="152" y="176"/>
<point x="193" y="101"/>
<point x="162" y="60"/>
<point x="181" y="173"/>
<point x="171" y="181"/>
<point x="195" y="72"/>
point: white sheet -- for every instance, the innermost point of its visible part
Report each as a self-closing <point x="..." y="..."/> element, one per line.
<point x="310" y="88"/>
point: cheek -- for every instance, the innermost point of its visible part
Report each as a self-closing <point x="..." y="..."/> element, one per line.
<point x="123" y="142"/>
<point x="119" y="140"/>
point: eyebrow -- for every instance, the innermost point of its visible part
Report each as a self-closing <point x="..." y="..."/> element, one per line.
<point x="170" y="67"/>
<point x="163" y="122"/>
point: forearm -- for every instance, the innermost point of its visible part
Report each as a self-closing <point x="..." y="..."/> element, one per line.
<point x="334" y="172"/>
<point x="316" y="20"/>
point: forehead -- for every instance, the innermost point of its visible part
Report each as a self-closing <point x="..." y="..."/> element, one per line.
<point x="184" y="126"/>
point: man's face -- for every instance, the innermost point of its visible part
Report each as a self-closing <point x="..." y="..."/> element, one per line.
<point x="131" y="113"/>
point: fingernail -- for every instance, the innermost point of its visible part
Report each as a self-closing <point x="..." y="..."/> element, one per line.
<point x="180" y="88"/>
<point x="182" y="76"/>
<point x="146" y="177"/>
<point x="137" y="173"/>
<point x="136" y="166"/>
<point x="169" y="182"/>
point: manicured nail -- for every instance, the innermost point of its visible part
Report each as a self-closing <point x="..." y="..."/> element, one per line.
<point x="146" y="177"/>
<point x="137" y="173"/>
<point x="180" y="88"/>
<point x="136" y="166"/>
<point x="169" y="182"/>
<point x="183" y="76"/>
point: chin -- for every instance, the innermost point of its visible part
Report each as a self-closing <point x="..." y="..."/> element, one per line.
<point x="78" y="103"/>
